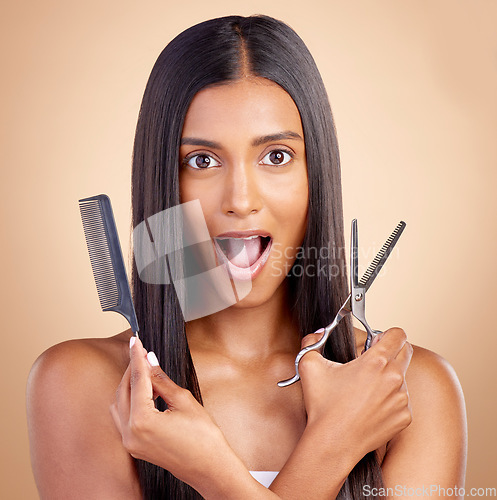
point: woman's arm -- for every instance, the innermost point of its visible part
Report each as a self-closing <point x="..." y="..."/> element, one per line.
<point x="426" y="458"/>
<point x="183" y="439"/>
<point x="76" y="450"/>
<point x="352" y="409"/>
<point x="370" y="392"/>
<point x="430" y="455"/>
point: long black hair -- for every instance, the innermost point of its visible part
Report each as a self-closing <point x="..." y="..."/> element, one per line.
<point x="211" y="53"/>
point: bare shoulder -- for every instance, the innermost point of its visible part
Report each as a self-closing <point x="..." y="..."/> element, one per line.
<point x="76" y="451"/>
<point x="77" y="357"/>
<point x="429" y="375"/>
<point x="77" y="372"/>
<point x="433" y="378"/>
<point x="438" y="424"/>
<point x="432" y="449"/>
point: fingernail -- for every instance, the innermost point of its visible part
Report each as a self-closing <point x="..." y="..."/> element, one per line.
<point x="132" y="341"/>
<point x="320" y="330"/>
<point x="152" y="359"/>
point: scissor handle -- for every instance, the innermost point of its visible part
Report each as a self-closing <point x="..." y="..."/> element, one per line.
<point x="314" y="347"/>
<point x="344" y="310"/>
<point x="369" y="339"/>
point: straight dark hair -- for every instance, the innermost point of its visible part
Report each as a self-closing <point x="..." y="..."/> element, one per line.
<point x="211" y="53"/>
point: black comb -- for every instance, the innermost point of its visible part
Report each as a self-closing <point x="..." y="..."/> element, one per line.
<point x="106" y="257"/>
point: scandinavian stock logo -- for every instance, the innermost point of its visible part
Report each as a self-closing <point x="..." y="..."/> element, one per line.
<point x="174" y="247"/>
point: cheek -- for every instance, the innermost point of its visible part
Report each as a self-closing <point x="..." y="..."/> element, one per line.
<point x="189" y="189"/>
<point x="183" y="194"/>
<point x="293" y="205"/>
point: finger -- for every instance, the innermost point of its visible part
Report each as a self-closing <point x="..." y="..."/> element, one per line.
<point x="119" y="409"/>
<point x="140" y="383"/>
<point x="123" y="396"/>
<point x="392" y="342"/>
<point x="310" y="366"/>
<point x="162" y="385"/>
<point x="312" y="338"/>
<point x="153" y="361"/>
<point x="377" y="338"/>
<point x="115" y="416"/>
<point x="404" y="356"/>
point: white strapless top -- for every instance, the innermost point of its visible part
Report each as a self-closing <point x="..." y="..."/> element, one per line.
<point x="265" y="477"/>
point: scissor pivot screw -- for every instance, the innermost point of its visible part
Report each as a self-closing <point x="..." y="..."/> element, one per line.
<point x="358" y="297"/>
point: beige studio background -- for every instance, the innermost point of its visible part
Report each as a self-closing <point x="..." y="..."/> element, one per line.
<point x="413" y="87"/>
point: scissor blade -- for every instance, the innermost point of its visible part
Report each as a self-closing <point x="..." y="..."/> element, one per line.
<point x="354" y="265"/>
<point x="381" y="257"/>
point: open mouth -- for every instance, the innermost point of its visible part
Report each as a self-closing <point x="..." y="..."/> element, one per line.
<point x="254" y="247"/>
<point x="245" y="256"/>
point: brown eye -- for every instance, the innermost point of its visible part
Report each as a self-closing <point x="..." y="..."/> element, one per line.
<point x="201" y="162"/>
<point x="277" y="157"/>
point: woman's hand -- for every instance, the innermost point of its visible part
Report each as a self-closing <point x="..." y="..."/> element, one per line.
<point x="182" y="438"/>
<point x="365" y="400"/>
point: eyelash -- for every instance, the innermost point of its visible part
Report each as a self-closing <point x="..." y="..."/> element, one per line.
<point x="291" y="154"/>
<point x="190" y="157"/>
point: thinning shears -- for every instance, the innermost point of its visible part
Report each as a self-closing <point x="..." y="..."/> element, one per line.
<point x="356" y="301"/>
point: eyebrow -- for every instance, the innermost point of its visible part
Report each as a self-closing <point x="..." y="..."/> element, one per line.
<point x="287" y="134"/>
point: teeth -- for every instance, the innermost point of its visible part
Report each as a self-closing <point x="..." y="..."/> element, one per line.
<point x="240" y="239"/>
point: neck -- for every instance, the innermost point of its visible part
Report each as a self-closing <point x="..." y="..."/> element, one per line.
<point x="244" y="333"/>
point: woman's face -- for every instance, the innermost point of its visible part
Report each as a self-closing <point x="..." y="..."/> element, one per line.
<point x="243" y="156"/>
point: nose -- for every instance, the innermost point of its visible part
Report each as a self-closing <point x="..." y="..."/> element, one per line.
<point x="241" y="193"/>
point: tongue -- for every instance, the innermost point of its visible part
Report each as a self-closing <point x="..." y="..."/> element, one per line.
<point x="253" y="250"/>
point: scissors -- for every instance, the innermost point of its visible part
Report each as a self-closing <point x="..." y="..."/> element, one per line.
<point x="356" y="301"/>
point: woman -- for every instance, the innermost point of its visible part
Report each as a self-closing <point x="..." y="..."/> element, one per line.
<point x="235" y="115"/>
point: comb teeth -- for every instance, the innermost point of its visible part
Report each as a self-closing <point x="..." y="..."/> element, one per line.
<point x="97" y="241"/>
<point x="387" y="246"/>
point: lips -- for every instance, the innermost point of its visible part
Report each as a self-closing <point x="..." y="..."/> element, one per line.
<point x="245" y="252"/>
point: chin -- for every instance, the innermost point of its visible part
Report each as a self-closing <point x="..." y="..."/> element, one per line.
<point x="264" y="289"/>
